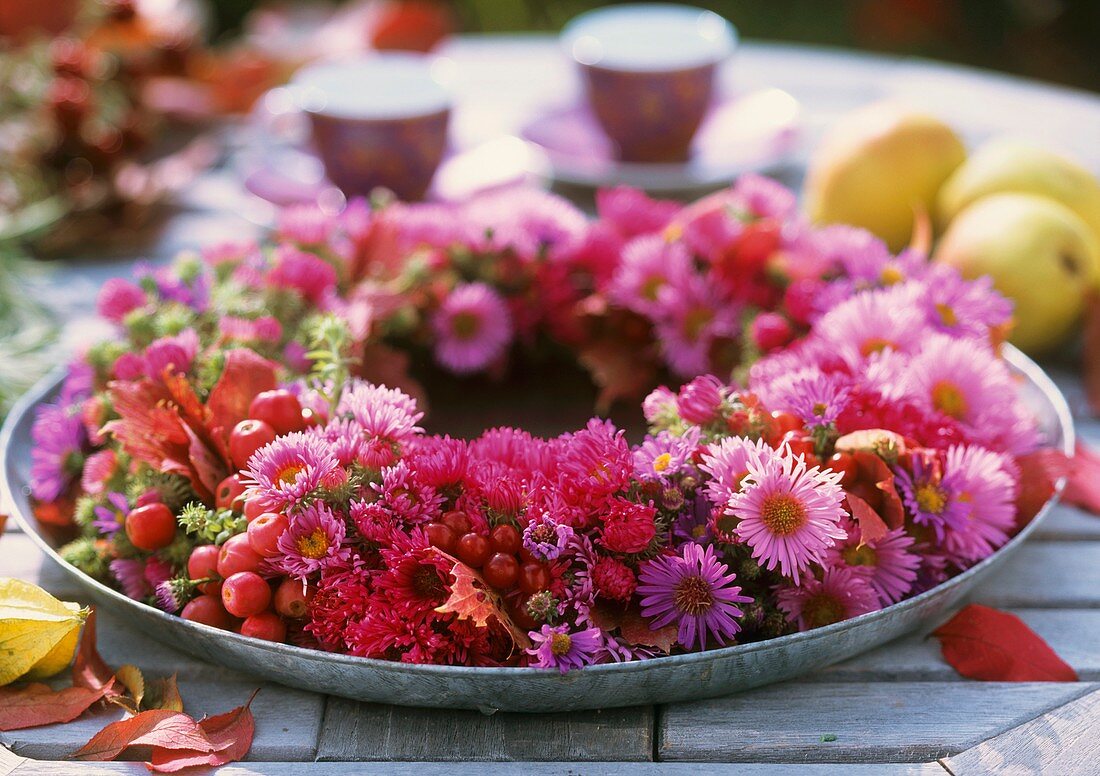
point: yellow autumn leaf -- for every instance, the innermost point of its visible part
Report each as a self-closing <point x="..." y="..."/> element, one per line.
<point x="38" y="633"/>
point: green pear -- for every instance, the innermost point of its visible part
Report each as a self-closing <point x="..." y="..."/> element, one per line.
<point x="879" y="164"/>
<point x="1038" y="252"/>
<point x="1005" y="164"/>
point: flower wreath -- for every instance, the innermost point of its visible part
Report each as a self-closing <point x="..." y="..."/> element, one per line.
<point x="248" y="451"/>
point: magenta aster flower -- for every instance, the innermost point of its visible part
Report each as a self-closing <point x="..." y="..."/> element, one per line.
<point x="987" y="485"/>
<point x="292" y="467"/>
<point x="648" y="264"/>
<point x="700" y="400"/>
<point x="889" y="562"/>
<point x="873" y="321"/>
<point x="57" y="455"/>
<point x="312" y="542"/>
<point x="931" y="499"/>
<point x="694" y="590"/>
<point x="556" y="647"/>
<point x="840" y="594"/>
<point x="789" y="514"/>
<point x="407" y="497"/>
<point x="962" y="308"/>
<point x="530" y="222"/>
<point x="175" y="354"/>
<point x="694" y="314"/>
<point x="727" y="463"/>
<point x="663" y="455"/>
<point x="307" y="225"/>
<point x="545" y="538"/>
<point x="99" y="468"/>
<point x="111" y="517"/>
<point x="811" y="394"/>
<point x="473" y="327"/>
<point x="118" y="298"/>
<point x="631" y="212"/>
<point x="130" y="575"/>
<point x="295" y="270"/>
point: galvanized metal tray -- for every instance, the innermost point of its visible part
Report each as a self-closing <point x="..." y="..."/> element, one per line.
<point x="661" y="680"/>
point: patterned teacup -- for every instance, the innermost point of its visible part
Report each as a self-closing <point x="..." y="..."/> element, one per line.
<point x="649" y="73"/>
<point x="377" y="121"/>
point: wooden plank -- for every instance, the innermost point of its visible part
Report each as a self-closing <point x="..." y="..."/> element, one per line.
<point x="1065" y="741"/>
<point x="1047" y="575"/>
<point x="852" y="722"/>
<point x="499" y="769"/>
<point x="369" y="731"/>
<point x="23" y="560"/>
<point x="1069" y="523"/>
<point x="287" y="721"/>
<point x="1073" y="633"/>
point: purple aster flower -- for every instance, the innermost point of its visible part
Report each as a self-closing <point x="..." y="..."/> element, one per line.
<point x="545" y="538"/>
<point x="130" y="574"/>
<point x="175" y="353"/>
<point x="840" y="594"/>
<point x="663" y="455"/>
<point x="111" y="517"/>
<point x="694" y="590"/>
<point x="693" y="523"/>
<point x="312" y="542"/>
<point x="473" y="327"/>
<point x="700" y="400"/>
<point x="931" y="499"/>
<point x="57" y="456"/>
<point x="648" y="264"/>
<point x="118" y="298"/>
<point x="556" y="647"/>
<point x="986" y="484"/>
<point x="814" y="396"/>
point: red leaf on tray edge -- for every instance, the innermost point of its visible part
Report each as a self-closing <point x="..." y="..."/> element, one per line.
<point x="162" y="728"/>
<point x="36" y="704"/>
<point x="994" y="646"/>
<point x="231" y="733"/>
<point x="471" y="598"/>
<point x="1041" y="470"/>
<point x="89" y="669"/>
<point x="1090" y="355"/>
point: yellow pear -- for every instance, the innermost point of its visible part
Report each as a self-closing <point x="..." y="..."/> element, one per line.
<point x="876" y="165"/>
<point x="1005" y="164"/>
<point x="1038" y="252"/>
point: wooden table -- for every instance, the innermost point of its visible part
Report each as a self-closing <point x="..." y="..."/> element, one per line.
<point x="899" y="709"/>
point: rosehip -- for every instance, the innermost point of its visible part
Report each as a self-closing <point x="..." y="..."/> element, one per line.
<point x="458" y="521"/>
<point x="533" y="577"/>
<point x="264" y="532"/>
<point x="254" y="507"/>
<point x="280" y="409"/>
<point x="237" y="555"/>
<point x="245" y="594"/>
<point x="230" y="493"/>
<point x="203" y="563"/>
<point x="292" y="598"/>
<point x="208" y="610"/>
<point x="846" y="465"/>
<point x="151" y="527"/>
<point x="770" y="331"/>
<point x="505" y="538"/>
<point x="473" y="550"/>
<point x="247" y="437"/>
<point x="501" y="571"/>
<point x="265" y="625"/>
<point x="785" y="421"/>
<point x="441" y="536"/>
<point x="800" y="444"/>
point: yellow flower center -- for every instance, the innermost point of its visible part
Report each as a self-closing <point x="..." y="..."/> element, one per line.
<point x="651" y="287"/>
<point x="465" y="325"/>
<point x="948" y="399"/>
<point x="891" y="275"/>
<point x="289" y="473"/>
<point x="673" y="232"/>
<point x="696" y="320"/>
<point x="931" y="498"/>
<point x="662" y="462"/>
<point x="822" y="609"/>
<point x="693" y="596"/>
<point x="560" y="644"/>
<point x="863" y="555"/>
<point x="873" y="345"/>
<point x="947" y="314"/>
<point x="783" y="514"/>
<point x="313" y="545"/>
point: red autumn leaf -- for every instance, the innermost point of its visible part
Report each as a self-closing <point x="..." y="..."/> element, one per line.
<point x="1083" y="488"/>
<point x="231" y="733"/>
<point x="632" y="626"/>
<point x="874" y="469"/>
<point x="871" y="526"/>
<point x="3" y="521"/>
<point x="36" y="704"/>
<point x="472" y="598"/>
<point x="89" y="670"/>
<point x="411" y="25"/>
<point x="1090" y="357"/>
<point x="59" y="512"/>
<point x="246" y="374"/>
<point x="995" y="646"/>
<point x="1039" y="471"/>
<point x="157" y="728"/>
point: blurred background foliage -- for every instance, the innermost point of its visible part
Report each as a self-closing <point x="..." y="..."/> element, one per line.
<point x="1053" y="40"/>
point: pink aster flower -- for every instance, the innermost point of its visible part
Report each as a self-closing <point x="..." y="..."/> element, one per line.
<point x="727" y="462"/>
<point x="312" y="542"/>
<point x="818" y="398"/>
<point x="873" y="321"/>
<point x="700" y="400"/>
<point x="696" y="591"/>
<point x="308" y="274"/>
<point x="228" y="253"/>
<point x="130" y="575"/>
<point x="659" y="407"/>
<point x="962" y="308"/>
<point x="175" y="353"/>
<point x="118" y="298"/>
<point x="840" y="594"/>
<point x="439" y="461"/>
<point x="387" y="416"/>
<point x="306" y="225"/>
<point x="531" y="222"/>
<point x="889" y="562"/>
<point x="291" y="468"/>
<point x="648" y="264"/>
<point x="631" y="212"/>
<point x="856" y="254"/>
<point x="263" y="329"/>
<point x="99" y="468"/>
<point x="663" y="455"/>
<point x="694" y="314"/>
<point x="57" y="455"/>
<point x="789" y="514"/>
<point x="402" y="493"/>
<point x="473" y="328"/>
<point x="555" y="647"/>
<point x="986" y="484"/>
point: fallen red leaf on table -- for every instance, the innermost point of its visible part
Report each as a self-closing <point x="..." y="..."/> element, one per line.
<point x="156" y="728"/>
<point x="1083" y="488"/>
<point x="1039" y="471"/>
<point x="994" y="646"/>
<point x="33" y="705"/>
<point x="1090" y="356"/>
<point x="230" y="733"/>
